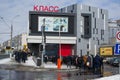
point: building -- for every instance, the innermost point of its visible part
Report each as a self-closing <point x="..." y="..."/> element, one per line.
<point x="5" y="43"/>
<point x="118" y="22"/>
<point x="18" y="42"/>
<point x="114" y="27"/>
<point x="86" y="29"/>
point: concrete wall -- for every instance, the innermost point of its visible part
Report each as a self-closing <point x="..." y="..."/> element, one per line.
<point x="99" y="28"/>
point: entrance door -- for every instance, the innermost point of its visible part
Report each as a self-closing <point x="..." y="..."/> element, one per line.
<point x="66" y="50"/>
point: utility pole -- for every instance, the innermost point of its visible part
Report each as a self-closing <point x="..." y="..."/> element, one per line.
<point x="11" y="29"/>
<point x="43" y="42"/>
<point x="11" y="35"/>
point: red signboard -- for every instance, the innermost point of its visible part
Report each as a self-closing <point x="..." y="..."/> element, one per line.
<point x="45" y="8"/>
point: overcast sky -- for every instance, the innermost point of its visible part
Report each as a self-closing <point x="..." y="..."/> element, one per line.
<point x="9" y="9"/>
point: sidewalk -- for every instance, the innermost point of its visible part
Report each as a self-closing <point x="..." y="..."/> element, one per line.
<point x="31" y="63"/>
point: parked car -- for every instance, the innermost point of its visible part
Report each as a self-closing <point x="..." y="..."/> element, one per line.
<point x="115" y="62"/>
<point x="109" y="60"/>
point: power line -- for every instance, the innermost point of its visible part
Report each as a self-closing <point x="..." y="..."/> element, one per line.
<point x="4" y="21"/>
<point x="4" y="33"/>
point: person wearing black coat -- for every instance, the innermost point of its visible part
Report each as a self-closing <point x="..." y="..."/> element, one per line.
<point x="17" y="56"/>
<point x="97" y="64"/>
<point x="69" y="61"/>
<point x="24" y="56"/>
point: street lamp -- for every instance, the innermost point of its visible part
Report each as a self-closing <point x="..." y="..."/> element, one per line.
<point x="43" y="42"/>
<point x="60" y="42"/>
<point x="59" y="59"/>
<point x="11" y="27"/>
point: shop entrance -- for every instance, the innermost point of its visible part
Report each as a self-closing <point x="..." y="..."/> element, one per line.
<point x="54" y="50"/>
<point x="66" y="49"/>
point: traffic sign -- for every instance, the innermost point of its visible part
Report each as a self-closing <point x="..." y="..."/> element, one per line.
<point x="117" y="49"/>
<point x="118" y="35"/>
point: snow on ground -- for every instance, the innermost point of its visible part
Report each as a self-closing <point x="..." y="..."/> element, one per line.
<point x="5" y="61"/>
<point x="29" y="62"/>
<point x="114" y="77"/>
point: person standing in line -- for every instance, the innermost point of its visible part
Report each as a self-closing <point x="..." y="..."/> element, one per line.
<point x="69" y="61"/>
<point x="97" y="64"/>
<point x="24" y="56"/>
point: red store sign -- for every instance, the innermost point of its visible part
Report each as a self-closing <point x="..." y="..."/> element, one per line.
<point x="46" y="8"/>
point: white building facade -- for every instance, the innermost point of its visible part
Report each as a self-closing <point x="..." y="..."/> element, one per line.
<point x="18" y="41"/>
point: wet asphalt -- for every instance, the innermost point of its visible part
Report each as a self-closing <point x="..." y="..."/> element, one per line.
<point x="18" y="72"/>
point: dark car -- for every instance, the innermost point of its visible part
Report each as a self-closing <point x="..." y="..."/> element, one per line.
<point x="110" y="60"/>
<point x="115" y="62"/>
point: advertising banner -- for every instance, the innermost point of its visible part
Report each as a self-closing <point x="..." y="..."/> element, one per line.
<point x="53" y="24"/>
<point x="106" y="51"/>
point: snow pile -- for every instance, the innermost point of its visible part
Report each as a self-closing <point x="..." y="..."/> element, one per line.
<point x="114" y="77"/>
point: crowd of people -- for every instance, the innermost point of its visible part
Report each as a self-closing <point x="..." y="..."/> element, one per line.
<point x="20" y="56"/>
<point x="87" y="62"/>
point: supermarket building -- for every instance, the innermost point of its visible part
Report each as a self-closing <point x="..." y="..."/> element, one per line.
<point x="78" y="28"/>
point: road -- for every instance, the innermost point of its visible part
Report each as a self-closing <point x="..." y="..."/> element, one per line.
<point x="52" y="74"/>
<point x="43" y="75"/>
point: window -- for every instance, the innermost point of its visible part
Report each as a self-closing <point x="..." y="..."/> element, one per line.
<point x="93" y="14"/>
<point x="95" y="22"/>
<point x="89" y="8"/>
<point x="87" y="31"/>
<point x="87" y="46"/>
<point x="87" y="52"/>
<point x="102" y="16"/>
<point x="102" y="31"/>
<point x="101" y="11"/>
<point x="103" y="39"/>
<point x="87" y="25"/>
<point x="79" y="40"/>
<point x="81" y="52"/>
<point x="98" y="42"/>
<point x="93" y="30"/>
<point x="112" y="32"/>
<point x="61" y="10"/>
<point x="96" y="30"/>
<point x="73" y="7"/>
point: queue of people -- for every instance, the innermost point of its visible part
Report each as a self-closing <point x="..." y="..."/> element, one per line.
<point x="87" y="62"/>
<point x="20" y="56"/>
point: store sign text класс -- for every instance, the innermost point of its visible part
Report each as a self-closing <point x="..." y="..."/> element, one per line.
<point x="45" y="8"/>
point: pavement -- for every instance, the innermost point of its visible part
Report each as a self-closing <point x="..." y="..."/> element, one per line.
<point x="10" y="63"/>
<point x="30" y="65"/>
